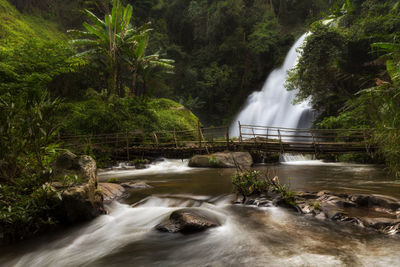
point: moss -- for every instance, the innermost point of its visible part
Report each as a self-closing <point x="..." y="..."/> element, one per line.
<point x="113" y="181"/>
<point x="214" y="161"/>
<point x="171" y="115"/>
<point x="16" y="28"/>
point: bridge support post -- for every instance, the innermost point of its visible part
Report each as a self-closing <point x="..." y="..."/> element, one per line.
<point x="313" y="140"/>
<point x="156" y="139"/>
<point x="240" y="132"/>
<point x="199" y="133"/>
<point x="280" y="141"/>
<point x="227" y="138"/>
<point x="127" y="145"/>
<point x="176" y="142"/>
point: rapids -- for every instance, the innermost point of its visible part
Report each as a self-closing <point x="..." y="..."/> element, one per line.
<point x="250" y="236"/>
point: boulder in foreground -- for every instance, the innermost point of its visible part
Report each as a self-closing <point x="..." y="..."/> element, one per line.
<point x="78" y="202"/>
<point x="188" y="221"/>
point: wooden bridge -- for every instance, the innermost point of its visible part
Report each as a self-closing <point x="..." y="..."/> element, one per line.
<point x="183" y="144"/>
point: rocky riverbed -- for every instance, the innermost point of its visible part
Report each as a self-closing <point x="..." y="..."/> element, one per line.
<point x="378" y="212"/>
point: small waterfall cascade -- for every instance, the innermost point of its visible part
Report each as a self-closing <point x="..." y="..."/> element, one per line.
<point x="273" y="105"/>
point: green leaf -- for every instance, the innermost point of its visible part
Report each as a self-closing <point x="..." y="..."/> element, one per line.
<point x="95" y="19"/>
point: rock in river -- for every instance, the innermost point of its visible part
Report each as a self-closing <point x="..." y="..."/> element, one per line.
<point x="222" y="160"/>
<point x="78" y="202"/>
<point x="136" y="185"/>
<point x="111" y="191"/>
<point x="188" y="221"/>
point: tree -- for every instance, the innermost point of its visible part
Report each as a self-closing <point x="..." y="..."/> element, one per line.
<point x="120" y="43"/>
<point x="141" y="64"/>
<point x="106" y="38"/>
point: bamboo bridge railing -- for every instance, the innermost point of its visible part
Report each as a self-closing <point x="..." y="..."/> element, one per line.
<point x="180" y="144"/>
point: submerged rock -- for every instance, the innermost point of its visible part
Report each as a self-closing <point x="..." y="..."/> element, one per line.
<point x="222" y="160"/>
<point x="188" y="221"/>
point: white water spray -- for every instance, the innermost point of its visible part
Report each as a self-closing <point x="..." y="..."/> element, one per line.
<point x="273" y="105"/>
<point x="160" y="167"/>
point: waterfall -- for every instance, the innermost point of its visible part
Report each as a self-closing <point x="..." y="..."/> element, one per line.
<point x="273" y="105"/>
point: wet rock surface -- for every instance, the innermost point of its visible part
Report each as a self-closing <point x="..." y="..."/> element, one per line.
<point x="381" y="213"/>
<point x="111" y="191"/>
<point x="222" y="160"/>
<point x="77" y="202"/>
<point x="188" y="221"/>
<point x="136" y="185"/>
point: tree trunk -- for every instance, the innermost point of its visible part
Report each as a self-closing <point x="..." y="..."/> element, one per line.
<point x="133" y="82"/>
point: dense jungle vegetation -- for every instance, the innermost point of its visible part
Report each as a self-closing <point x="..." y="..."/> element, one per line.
<point x="84" y="67"/>
<point x="350" y="68"/>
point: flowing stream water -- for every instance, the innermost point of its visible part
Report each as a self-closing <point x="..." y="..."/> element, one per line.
<point x="249" y="236"/>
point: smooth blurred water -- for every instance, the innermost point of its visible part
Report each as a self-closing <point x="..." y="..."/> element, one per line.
<point x="249" y="236"/>
<point x="273" y="105"/>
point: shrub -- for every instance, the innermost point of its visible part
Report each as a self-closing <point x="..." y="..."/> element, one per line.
<point x="251" y="182"/>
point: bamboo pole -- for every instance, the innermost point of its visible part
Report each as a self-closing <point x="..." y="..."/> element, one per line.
<point x="227" y="138"/>
<point x="199" y="133"/>
<point x="240" y="132"/>
<point x="156" y="139"/>
<point x="127" y="145"/>
<point x="280" y="140"/>
<point x="176" y="142"/>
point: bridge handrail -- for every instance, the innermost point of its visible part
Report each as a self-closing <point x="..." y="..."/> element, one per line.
<point x="248" y="126"/>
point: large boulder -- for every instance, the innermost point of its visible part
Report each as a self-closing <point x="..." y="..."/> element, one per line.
<point x="78" y="201"/>
<point x="222" y="160"/>
<point x="84" y="167"/>
<point x="188" y="221"/>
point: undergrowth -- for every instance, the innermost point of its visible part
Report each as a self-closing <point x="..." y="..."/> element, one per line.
<point x="252" y="182"/>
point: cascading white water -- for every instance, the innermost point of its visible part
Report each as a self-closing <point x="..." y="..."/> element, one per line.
<point x="159" y="167"/>
<point x="273" y="105"/>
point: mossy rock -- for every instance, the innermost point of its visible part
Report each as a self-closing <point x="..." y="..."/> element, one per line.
<point x="222" y="160"/>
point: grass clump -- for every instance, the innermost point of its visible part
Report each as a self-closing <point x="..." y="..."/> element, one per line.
<point x="113" y="181"/>
<point x="214" y="161"/>
<point x="252" y="182"/>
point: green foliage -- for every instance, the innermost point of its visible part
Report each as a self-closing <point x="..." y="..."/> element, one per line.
<point x="27" y="146"/>
<point x="17" y="28"/>
<point x="249" y="182"/>
<point x="31" y="66"/>
<point x="223" y="50"/>
<point x="213" y="161"/>
<point x="29" y="208"/>
<point x="127" y="114"/>
<point x="342" y="70"/>
<point x="113" y="181"/>
<point x="192" y="103"/>
<point x="119" y="45"/>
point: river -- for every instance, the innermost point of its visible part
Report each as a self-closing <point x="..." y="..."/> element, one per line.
<point x="249" y="236"/>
